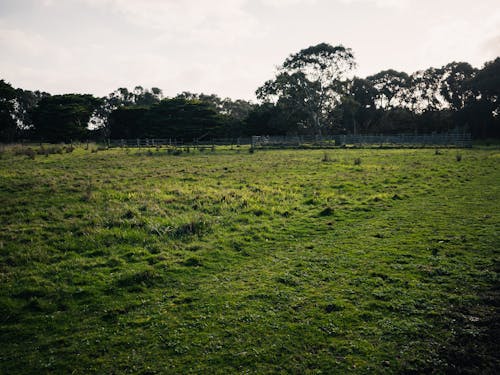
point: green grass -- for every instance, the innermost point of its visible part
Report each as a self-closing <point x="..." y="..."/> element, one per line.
<point x="283" y="261"/>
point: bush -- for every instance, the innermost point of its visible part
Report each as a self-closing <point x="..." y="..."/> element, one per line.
<point x="53" y="150"/>
<point x="29" y="152"/>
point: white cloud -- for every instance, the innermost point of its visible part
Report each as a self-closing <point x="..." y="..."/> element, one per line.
<point x="228" y="47"/>
<point x="401" y="4"/>
<point x="461" y="39"/>
<point x="12" y="40"/>
<point x="281" y="3"/>
<point x="491" y="47"/>
<point x="223" y="20"/>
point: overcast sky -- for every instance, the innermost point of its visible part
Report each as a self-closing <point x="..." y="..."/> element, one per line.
<point x="228" y="47"/>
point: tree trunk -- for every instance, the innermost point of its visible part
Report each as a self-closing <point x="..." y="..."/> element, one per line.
<point x="316" y="124"/>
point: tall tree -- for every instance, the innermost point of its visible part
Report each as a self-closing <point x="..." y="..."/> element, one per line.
<point x="127" y="122"/>
<point x="482" y="110"/>
<point x="359" y="111"/>
<point x="62" y="118"/>
<point x="424" y="88"/>
<point x="235" y="111"/>
<point x="486" y="83"/>
<point x="122" y="97"/>
<point x="185" y="119"/>
<point x="311" y="81"/>
<point x="454" y="86"/>
<point x="391" y="87"/>
<point x="8" y="125"/>
<point x="171" y="118"/>
<point x="25" y="103"/>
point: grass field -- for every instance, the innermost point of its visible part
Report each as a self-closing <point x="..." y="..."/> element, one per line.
<point x="284" y="261"/>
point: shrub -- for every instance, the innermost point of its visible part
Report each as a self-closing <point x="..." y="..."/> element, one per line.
<point x="88" y="190"/>
<point x="54" y="150"/>
<point x="30" y="153"/>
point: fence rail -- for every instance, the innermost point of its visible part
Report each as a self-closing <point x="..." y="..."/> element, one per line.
<point x="445" y="139"/>
<point x="174" y="142"/>
<point x="425" y="140"/>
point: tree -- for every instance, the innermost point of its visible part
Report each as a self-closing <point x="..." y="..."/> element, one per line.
<point x="122" y="97"/>
<point x="63" y="118"/>
<point x="350" y="109"/>
<point x="8" y="125"/>
<point x="482" y="110"/>
<point x="424" y="90"/>
<point x="24" y="105"/>
<point x="271" y="119"/>
<point x="127" y="122"/>
<point x="183" y="119"/>
<point x="454" y="86"/>
<point x="390" y="85"/>
<point x="486" y="83"/>
<point x="171" y="118"/>
<point x="213" y="100"/>
<point x="311" y="81"/>
<point x="234" y="111"/>
<point x="359" y="111"/>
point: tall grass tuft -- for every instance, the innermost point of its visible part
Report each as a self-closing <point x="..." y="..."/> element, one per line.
<point x="87" y="197"/>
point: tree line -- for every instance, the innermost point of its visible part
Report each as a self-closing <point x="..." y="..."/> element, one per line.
<point x="312" y="92"/>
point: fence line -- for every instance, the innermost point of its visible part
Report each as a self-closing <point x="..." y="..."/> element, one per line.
<point x="443" y="139"/>
<point x="175" y="142"/>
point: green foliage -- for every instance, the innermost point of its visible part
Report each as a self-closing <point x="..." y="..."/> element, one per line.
<point x="8" y="126"/>
<point x="454" y="88"/>
<point x="390" y="85"/>
<point x="63" y="118"/>
<point x="171" y="118"/>
<point x="227" y="262"/>
<point x="310" y="82"/>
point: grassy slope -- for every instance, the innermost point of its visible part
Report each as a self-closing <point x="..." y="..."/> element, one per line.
<point x="266" y="262"/>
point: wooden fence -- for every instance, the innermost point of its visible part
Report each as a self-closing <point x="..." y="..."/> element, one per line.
<point x="399" y="140"/>
<point x="175" y="142"/>
<point x="444" y="139"/>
